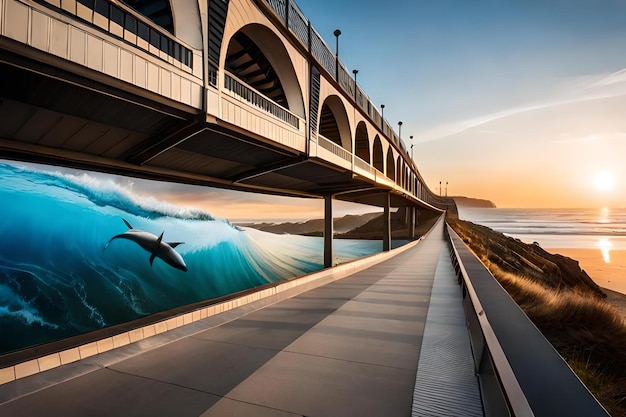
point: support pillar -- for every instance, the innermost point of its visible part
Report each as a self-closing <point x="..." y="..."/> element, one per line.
<point x="387" y="224"/>
<point x="411" y="222"/>
<point x="328" y="231"/>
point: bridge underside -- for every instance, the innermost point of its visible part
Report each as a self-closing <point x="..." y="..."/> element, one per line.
<point x="55" y="117"/>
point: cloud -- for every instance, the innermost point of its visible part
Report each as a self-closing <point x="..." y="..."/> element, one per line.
<point x="598" y="87"/>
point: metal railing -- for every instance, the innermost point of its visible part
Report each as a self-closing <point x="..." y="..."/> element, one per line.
<point x="252" y="96"/>
<point x="334" y="148"/>
<point x="521" y="373"/>
<point x="363" y="165"/>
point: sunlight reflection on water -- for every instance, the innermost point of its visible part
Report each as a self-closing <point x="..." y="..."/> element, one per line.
<point x="605" y="247"/>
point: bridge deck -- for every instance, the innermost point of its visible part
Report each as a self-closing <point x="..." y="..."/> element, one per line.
<point x="351" y="347"/>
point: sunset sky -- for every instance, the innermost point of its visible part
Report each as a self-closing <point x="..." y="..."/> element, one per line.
<point x="519" y="101"/>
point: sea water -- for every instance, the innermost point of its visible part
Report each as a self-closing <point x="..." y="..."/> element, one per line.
<point x="556" y="228"/>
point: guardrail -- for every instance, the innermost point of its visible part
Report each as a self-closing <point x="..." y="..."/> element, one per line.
<point x="334" y="148"/>
<point x="252" y="96"/>
<point x="521" y="374"/>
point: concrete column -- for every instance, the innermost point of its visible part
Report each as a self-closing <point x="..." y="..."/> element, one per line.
<point x="411" y="222"/>
<point x="387" y="224"/>
<point x="328" y="231"/>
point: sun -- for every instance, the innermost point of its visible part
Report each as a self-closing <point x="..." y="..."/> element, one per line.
<point x="604" y="181"/>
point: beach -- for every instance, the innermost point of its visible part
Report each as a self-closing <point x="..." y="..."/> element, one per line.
<point x="611" y="275"/>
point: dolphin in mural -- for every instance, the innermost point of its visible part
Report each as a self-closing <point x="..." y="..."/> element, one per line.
<point x="153" y="244"/>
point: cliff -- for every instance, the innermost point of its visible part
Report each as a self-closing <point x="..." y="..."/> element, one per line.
<point x="473" y="202"/>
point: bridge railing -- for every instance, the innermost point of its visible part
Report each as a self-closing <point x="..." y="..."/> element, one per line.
<point x="254" y="97"/>
<point x="521" y="374"/>
<point x="325" y="148"/>
<point x="364" y="167"/>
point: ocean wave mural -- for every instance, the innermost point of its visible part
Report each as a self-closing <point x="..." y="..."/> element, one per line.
<point x="81" y="251"/>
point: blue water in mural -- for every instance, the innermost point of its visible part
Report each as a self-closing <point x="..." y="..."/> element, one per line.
<point x="62" y="274"/>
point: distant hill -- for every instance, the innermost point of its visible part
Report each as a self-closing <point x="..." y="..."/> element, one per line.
<point x="314" y="227"/>
<point x="473" y="202"/>
<point x="364" y="226"/>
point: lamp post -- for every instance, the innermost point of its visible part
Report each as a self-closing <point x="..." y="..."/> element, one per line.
<point x="446" y="188"/>
<point x="355" y="72"/>
<point x="382" y="116"/>
<point x="411" y="138"/>
<point x="337" y="32"/>
<point x="439" y="188"/>
<point x="400" y="130"/>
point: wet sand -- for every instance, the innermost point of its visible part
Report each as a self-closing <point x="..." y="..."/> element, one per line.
<point x="610" y="276"/>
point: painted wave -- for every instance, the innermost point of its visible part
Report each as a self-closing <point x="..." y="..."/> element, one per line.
<point x="58" y="280"/>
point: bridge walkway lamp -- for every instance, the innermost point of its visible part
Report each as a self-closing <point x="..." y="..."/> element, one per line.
<point x="355" y="72"/>
<point x="337" y="33"/>
<point x="400" y="130"/>
<point x="411" y="138"/>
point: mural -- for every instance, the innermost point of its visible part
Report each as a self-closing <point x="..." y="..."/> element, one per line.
<point x="81" y="251"/>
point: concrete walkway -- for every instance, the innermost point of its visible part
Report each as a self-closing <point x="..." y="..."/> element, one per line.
<point x="349" y="348"/>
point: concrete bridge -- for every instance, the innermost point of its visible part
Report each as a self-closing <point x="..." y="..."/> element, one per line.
<point x="246" y="95"/>
<point x="240" y="94"/>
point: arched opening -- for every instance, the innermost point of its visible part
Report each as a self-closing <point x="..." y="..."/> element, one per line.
<point x="257" y="57"/>
<point x="334" y="124"/>
<point x="391" y="165"/>
<point x="377" y="153"/>
<point x="159" y="11"/>
<point x="362" y="143"/>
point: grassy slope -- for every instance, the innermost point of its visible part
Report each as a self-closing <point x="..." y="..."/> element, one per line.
<point x="565" y="304"/>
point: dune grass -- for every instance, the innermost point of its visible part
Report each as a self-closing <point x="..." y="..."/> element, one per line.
<point x="588" y="332"/>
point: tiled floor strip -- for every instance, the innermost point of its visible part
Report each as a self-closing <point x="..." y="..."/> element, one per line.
<point x="446" y="384"/>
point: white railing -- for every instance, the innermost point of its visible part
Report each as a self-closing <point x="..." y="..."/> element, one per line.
<point x="363" y="165"/>
<point x="334" y="148"/>
<point x="258" y="99"/>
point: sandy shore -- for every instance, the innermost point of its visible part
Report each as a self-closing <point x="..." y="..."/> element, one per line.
<point x="610" y="276"/>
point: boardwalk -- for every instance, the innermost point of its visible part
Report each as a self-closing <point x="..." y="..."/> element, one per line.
<point x="349" y="348"/>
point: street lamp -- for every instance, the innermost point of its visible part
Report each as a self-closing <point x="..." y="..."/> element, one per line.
<point x="411" y="138"/>
<point x="446" y="188"/>
<point x="355" y="72"/>
<point x="382" y="116"/>
<point x="400" y="130"/>
<point x="337" y="32"/>
<point x="439" y="188"/>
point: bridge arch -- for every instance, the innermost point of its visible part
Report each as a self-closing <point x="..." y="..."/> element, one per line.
<point x="378" y="159"/>
<point x="258" y="57"/>
<point x="391" y="165"/>
<point x="334" y="123"/>
<point x="362" y="143"/>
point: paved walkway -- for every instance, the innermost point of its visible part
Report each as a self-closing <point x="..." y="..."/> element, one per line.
<point x="349" y="348"/>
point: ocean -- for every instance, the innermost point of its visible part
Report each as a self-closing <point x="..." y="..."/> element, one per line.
<point x="556" y="228"/>
<point x="81" y="251"/>
<point x="594" y="237"/>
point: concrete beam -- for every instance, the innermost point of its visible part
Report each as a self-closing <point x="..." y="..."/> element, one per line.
<point x="387" y="224"/>
<point x="328" y="231"/>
